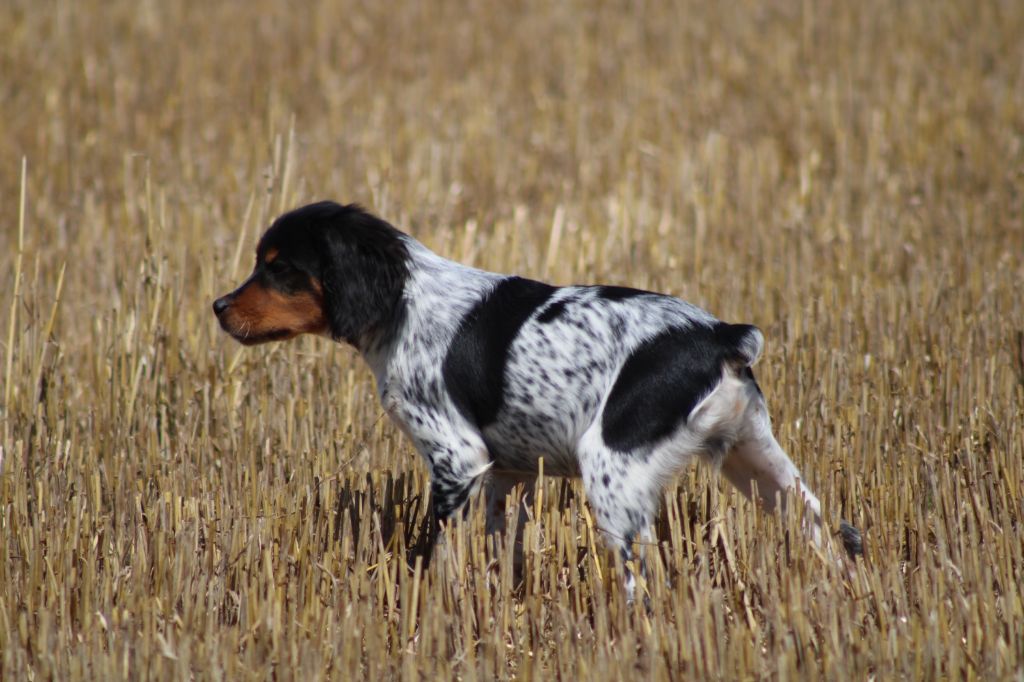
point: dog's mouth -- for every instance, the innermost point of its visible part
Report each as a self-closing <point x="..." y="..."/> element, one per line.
<point x="257" y="338"/>
<point x="264" y="337"/>
<point x="252" y="337"/>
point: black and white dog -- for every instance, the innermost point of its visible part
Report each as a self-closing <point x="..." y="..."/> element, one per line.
<point x="487" y="373"/>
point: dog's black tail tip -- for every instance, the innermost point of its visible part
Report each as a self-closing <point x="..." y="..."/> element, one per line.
<point x="852" y="540"/>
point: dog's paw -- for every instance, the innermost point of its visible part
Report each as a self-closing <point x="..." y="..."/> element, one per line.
<point x="852" y="540"/>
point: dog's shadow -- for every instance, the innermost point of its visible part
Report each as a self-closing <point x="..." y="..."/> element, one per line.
<point x="399" y="506"/>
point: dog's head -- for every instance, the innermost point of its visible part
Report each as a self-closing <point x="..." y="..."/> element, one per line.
<point x="321" y="269"/>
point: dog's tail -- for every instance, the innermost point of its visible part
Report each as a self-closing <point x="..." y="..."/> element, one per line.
<point x="742" y="343"/>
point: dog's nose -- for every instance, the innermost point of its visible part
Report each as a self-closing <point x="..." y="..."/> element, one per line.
<point x="220" y="305"/>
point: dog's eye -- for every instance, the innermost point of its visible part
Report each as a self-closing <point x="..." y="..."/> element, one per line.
<point x="278" y="266"/>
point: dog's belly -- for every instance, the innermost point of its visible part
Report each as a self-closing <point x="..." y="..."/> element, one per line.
<point x="547" y="424"/>
<point x="514" y="450"/>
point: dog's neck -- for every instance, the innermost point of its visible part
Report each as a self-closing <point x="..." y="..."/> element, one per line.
<point x="437" y="296"/>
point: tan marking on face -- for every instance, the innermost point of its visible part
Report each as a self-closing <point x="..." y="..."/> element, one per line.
<point x="258" y="314"/>
<point x="270" y="256"/>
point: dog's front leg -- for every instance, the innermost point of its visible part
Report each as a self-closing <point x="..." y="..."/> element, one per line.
<point x="457" y="467"/>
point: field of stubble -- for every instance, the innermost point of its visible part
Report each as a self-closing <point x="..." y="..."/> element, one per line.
<point x="847" y="176"/>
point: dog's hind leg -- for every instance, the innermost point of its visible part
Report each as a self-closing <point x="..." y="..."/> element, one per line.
<point x="757" y="458"/>
<point x="762" y="461"/>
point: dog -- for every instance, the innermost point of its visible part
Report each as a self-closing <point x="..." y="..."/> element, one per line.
<point x="486" y="373"/>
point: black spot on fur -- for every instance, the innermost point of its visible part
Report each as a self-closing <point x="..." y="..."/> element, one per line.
<point x="664" y="379"/>
<point x="553" y="311"/>
<point x="474" y="367"/>
<point x="613" y="293"/>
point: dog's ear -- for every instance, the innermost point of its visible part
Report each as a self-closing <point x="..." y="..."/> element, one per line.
<point x="364" y="269"/>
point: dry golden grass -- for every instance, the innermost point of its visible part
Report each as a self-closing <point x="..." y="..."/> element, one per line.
<point x="847" y="175"/>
